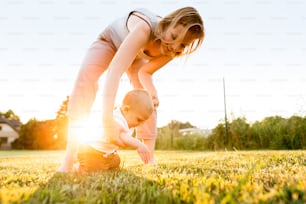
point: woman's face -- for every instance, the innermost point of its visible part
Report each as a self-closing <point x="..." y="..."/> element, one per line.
<point x="171" y="36"/>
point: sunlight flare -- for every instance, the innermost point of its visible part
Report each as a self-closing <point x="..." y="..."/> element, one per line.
<point x="86" y="131"/>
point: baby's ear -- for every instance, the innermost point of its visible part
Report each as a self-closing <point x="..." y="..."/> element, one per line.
<point x="125" y="108"/>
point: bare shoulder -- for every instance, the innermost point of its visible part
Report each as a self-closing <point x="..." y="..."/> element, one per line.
<point x="139" y="22"/>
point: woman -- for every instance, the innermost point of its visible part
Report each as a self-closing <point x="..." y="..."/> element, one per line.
<point x="139" y="44"/>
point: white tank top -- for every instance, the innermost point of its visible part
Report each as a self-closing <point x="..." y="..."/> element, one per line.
<point x="119" y="29"/>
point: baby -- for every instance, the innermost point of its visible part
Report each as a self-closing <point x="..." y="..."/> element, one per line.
<point x="100" y="155"/>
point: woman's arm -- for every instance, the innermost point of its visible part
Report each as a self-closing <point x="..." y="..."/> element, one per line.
<point x="146" y="72"/>
<point x="123" y="58"/>
<point x="135" y="40"/>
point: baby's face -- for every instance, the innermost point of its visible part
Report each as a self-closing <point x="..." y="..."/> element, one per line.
<point x="136" y="117"/>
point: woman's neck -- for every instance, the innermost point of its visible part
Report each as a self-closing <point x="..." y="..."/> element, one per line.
<point x="153" y="48"/>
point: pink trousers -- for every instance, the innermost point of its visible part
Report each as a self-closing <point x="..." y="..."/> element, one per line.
<point x="95" y="63"/>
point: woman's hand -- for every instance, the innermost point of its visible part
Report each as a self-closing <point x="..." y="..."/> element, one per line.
<point x="144" y="153"/>
<point x="155" y="101"/>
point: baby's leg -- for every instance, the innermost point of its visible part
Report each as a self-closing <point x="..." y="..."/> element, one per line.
<point x="92" y="160"/>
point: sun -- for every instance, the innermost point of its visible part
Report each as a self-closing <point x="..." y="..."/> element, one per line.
<point x="89" y="130"/>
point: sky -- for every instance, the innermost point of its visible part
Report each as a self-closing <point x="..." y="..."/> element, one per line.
<point x="257" y="46"/>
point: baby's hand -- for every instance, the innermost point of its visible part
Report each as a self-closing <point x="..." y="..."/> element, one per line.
<point x="144" y="153"/>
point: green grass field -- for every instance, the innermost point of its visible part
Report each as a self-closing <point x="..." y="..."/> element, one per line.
<point x="181" y="177"/>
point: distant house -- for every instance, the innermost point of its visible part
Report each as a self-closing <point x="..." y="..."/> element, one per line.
<point x="188" y="131"/>
<point x="8" y="132"/>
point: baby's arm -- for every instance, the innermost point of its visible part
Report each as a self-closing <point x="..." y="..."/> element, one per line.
<point x="141" y="148"/>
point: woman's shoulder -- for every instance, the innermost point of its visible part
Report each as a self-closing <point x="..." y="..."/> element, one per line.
<point x="148" y="16"/>
<point x="145" y="11"/>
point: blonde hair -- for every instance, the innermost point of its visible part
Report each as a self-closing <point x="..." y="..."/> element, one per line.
<point x="193" y="24"/>
<point x="139" y="98"/>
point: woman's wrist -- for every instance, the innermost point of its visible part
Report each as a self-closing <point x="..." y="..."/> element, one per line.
<point x="155" y="101"/>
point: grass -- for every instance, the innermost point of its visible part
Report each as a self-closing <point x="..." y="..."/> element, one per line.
<point x="181" y="177"/>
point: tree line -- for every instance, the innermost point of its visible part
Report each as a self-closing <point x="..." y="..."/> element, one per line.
<point x="273" y="132"/>
<point x="47" y="134"/>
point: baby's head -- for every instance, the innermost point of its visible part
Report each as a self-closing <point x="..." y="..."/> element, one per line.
<point x="137" y="107"/>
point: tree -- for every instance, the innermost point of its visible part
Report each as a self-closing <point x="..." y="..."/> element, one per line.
<point x="239" y="134"/>
<point x="62" y="112"/>
<point x="36" y="135"/>
<point x="215" y="140"/>
<point x="61" y="124"/>
<point x="296" y="132"/>
<point x="168" y="133"/>
<point x="273" y="129"/>
<point x="9" y="115"/>
<point x="48" y="134"/>
<point x="255" y="136"/>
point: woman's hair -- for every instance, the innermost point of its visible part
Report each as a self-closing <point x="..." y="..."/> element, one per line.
<point x="193" y="26"/>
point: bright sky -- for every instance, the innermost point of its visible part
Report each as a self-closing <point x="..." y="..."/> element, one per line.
<point x="258" y="46"/>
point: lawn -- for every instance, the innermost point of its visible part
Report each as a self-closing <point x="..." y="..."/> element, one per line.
<point x="181" y="177"/>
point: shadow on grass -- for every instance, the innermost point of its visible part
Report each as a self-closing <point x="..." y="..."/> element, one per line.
<point x="122" y="186"/>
